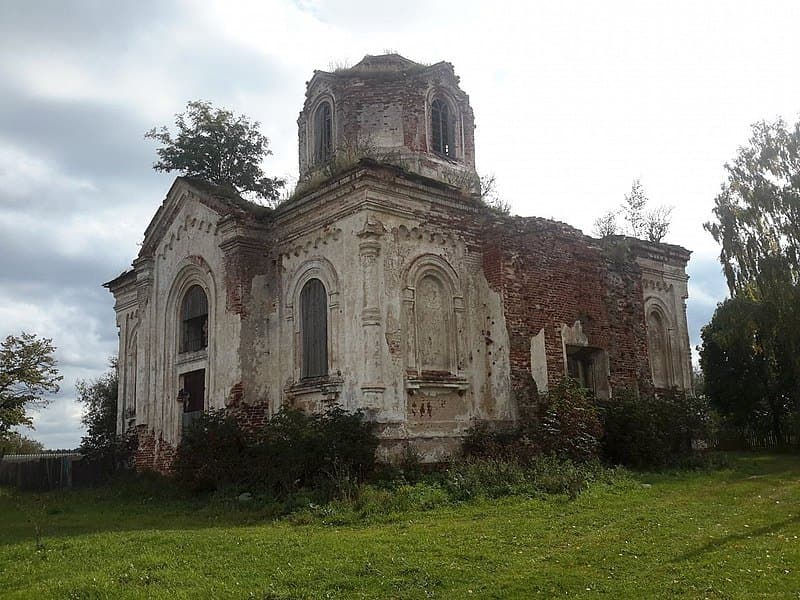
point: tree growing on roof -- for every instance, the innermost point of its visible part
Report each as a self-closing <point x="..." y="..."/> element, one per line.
<point x="639" y="221"/>
<point x="218" y="146"/>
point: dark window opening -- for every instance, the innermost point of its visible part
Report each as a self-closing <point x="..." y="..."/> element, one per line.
<point x="323" y="133"/>
<point x="442" y="128"/>
<point x="194" y="390"/>
<point x="589" y="367"/>
<point x="194" y="317"/>
<point x="193" y="395"/>
<point x="313" y="330"/>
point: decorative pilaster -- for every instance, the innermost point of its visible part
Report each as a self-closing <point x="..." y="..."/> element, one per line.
<point x="369" y="251"/>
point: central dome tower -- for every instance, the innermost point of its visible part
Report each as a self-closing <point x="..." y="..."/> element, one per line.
<point x="393" y="110"/>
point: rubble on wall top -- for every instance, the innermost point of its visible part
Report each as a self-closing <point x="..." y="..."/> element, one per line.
<point x="383" y="65"/>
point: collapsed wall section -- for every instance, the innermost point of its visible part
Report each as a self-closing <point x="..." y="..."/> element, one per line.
<point x="562" y="292"/>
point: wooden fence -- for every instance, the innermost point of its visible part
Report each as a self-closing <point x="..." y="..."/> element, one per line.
<point x="38" y="472"/>
<point x="748" y="440"/>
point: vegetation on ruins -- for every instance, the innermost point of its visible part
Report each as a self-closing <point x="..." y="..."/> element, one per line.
<point x="637" y="428"/>
<point x="639" y="221"/>
<point x="750" y="347"/>
<point x="28" y="375"/>
<point x="219" y="146"/>
<point x="328" y="453"/>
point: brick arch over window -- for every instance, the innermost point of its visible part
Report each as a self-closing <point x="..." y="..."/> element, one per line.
<point x="444" y="125"/>
<point x="314" y="286"/>
<point x="321" y="130"/>
<point x="433" y="307"/>
<point x="659" y="345"/>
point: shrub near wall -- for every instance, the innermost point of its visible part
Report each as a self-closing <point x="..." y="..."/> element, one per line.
<point x="652" y="430"/>
<point x="213" y="453"/>
<point x="328" y="453"/>
<point x="563" y="423"/>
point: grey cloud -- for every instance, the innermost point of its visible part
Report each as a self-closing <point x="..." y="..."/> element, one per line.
<point x="225" y="70"/>
<point x="85" y="139"/>
<point x="31" y="260"/>
<point x="58" y="425"/>
<point x="105" y="142"/>
<point x="706" y="288"/>
<point x="81" y="23"/>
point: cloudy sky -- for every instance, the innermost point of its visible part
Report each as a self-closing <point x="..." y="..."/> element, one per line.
<point x="573" y="100"/>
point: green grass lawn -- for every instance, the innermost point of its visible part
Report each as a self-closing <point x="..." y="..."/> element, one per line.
<point x="732" y="533"/>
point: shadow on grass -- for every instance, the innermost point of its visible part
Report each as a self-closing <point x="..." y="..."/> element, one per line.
<point x="122" y="507"/>
<point x="142" y="504"/>
<point x="737" y="537"/>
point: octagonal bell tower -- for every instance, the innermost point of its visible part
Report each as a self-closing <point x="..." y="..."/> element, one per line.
<point x="393" y="110"/>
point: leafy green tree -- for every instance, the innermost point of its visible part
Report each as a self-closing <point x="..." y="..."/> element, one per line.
<point x="99" y="398"/>
<point x="16" y="443"/>
<point x="218" y="146"/>
<point x="28" y="374"/>
<point x="757" y="224"/>
<point x="101" y="442"/>
<point x="735" y="367"/>
<point x="757" y="211"/>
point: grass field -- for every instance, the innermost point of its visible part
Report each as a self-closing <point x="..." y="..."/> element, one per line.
<point x="732" y="533"/>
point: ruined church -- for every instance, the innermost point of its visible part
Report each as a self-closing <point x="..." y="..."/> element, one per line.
<point x="384" y="284"/>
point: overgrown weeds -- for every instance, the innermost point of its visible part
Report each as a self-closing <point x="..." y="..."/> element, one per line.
<point x="328" y="453"/>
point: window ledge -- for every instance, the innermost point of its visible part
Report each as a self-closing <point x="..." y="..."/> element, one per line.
<point x="329" y="386"/>
<point x="187" y="357"/>
<point x="436" y="382"/>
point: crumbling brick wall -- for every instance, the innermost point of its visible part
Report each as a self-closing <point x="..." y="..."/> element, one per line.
<point x="153" y="453"/>
<point x="549" y="275"/>
<point x="386" y="98"/>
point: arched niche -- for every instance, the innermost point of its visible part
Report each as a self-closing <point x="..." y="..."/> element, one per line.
<point x="433" y="307"/>
<point x="659" y="346"/>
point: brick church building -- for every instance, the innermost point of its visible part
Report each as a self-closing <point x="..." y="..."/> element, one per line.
<point x="383" y="284"/>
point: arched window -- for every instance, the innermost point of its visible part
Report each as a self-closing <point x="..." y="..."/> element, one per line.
<point x="433" y="325"/>
<point x="194" y="320"/>
<point x="314" y="330"/>
<point x="657" y="345"/>
<point x="323" y="133"/>
<point x="442" y="128"/>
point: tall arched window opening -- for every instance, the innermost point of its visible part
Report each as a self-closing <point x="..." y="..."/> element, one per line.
<point x="313" y="330"/>
<point x="323" y="133"/>
<point x="442" y="128"/>
<point x="194" y="320"/>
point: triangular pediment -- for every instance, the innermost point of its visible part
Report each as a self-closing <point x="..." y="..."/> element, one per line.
<point x="222" y="201"/>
